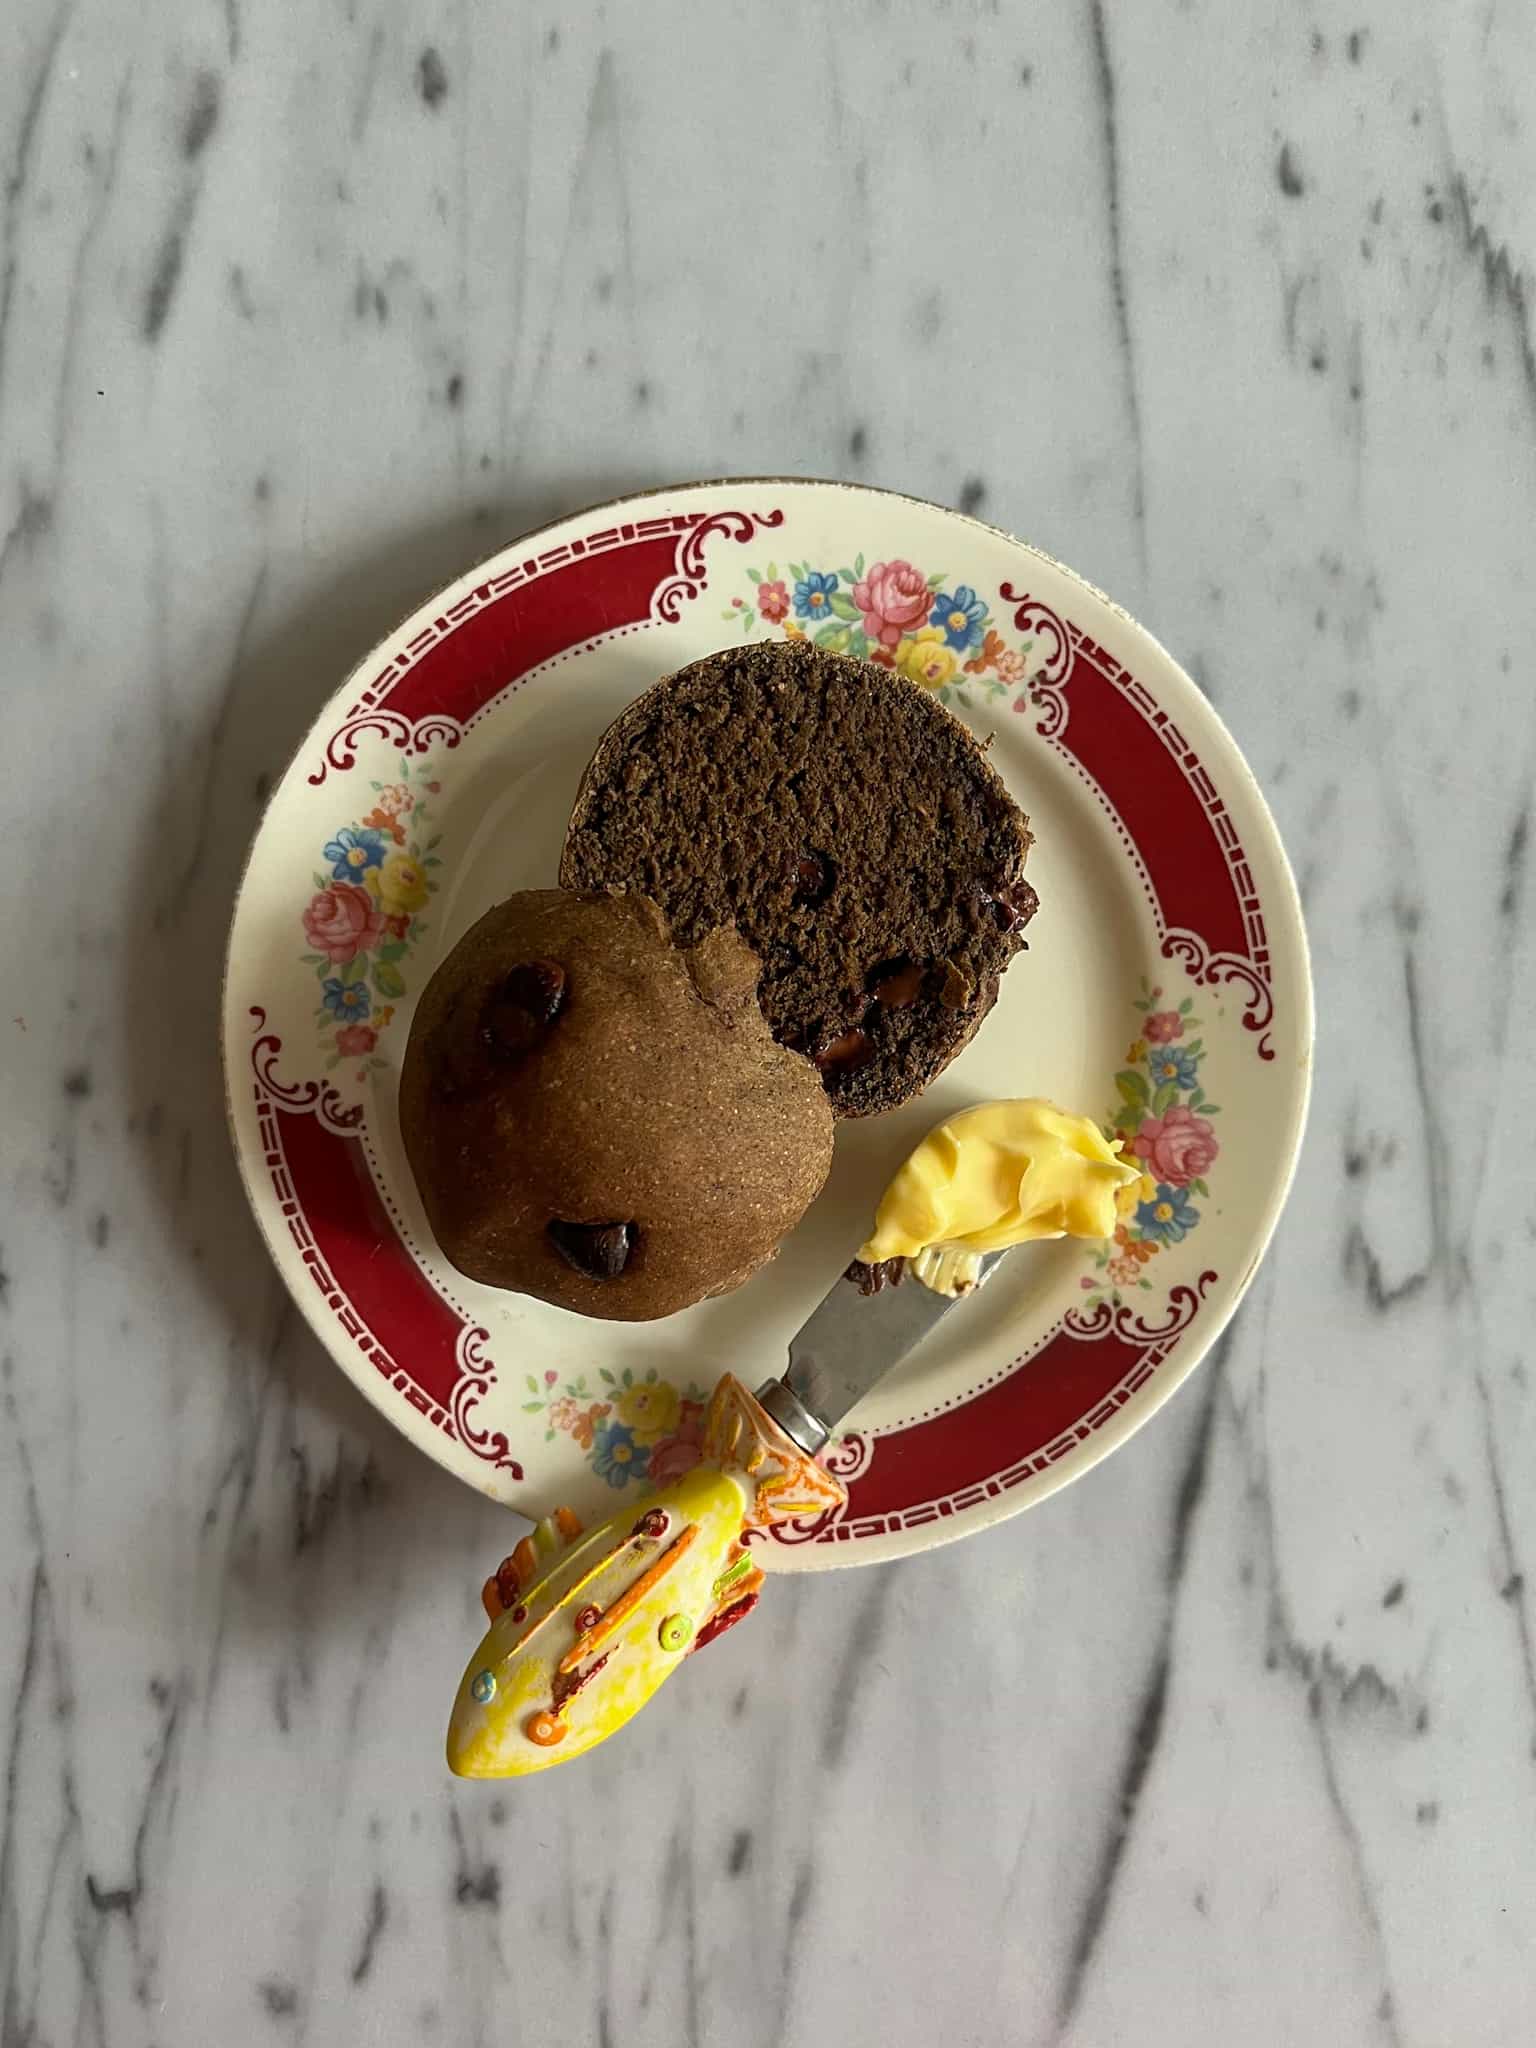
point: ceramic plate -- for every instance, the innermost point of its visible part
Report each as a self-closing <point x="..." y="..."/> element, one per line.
<point x="1165" y="991"/>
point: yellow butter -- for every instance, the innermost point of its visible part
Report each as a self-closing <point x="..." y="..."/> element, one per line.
<point x="997" y="1175"/>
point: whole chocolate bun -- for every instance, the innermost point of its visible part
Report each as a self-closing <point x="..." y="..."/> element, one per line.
<point x="601" y="1119"/>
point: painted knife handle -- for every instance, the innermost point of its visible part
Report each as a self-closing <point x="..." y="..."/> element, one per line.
<point x="586" y="1627"/>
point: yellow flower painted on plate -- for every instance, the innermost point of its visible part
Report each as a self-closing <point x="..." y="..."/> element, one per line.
<point x="926" y="659"/>
<point x="649" y="1410"/>
<point x="399" y="884"/>
<point x="1136" y="1053"/>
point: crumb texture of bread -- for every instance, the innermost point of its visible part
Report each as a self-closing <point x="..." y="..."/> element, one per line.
<point x="602" y="1119"/>
<point x="850" y="829"/>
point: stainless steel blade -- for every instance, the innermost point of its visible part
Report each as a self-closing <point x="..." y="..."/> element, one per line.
<point x="849" y="1344"/>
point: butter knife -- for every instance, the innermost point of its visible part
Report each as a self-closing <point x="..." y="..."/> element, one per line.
<point x="586" y="1626"/>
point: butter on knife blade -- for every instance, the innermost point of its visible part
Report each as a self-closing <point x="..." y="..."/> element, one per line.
<point x="1001" y="1174"/>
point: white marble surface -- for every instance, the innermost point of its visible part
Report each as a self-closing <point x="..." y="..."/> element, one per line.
<point x="303" y="307"/>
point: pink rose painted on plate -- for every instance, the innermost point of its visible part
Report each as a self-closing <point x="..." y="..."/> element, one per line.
<point x="892" y="599"/>
<point x="933" y="627"/>
<point x="343" y="921"/>
<point x="365" y="918"/>
<point x="1177" y="1146"/>
<point x="1162" y="1119"/>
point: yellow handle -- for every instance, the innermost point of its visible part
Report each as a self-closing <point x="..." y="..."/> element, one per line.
<point x="586" y="1628"/>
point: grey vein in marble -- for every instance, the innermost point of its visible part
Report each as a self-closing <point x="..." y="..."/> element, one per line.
<point x="301" y="311"/>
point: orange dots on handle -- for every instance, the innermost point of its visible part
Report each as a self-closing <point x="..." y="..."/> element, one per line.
<point x="545" y="1729"/>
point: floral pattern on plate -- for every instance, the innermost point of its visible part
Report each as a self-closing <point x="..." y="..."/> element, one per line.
<point x="1163" y="1121"/>
<point x="364" y="918"/>
<point x="934" y="628"/>
<point x="631" y="1426"/>
<point x="568" y="611"/>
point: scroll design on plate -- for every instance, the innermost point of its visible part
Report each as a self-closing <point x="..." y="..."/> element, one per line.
<point x="1108" y="698"/>
<point x="1124" y="1321"/>
<point x="847" y="1457"/>
<point x="477" y="1376"/>
<point x="410" y="735"/>
<point x="691" y="576"/>
<point x="1149" y="1342"/>
<point x="317" y="1096"/>
<point x="1045" y="686"/>
<point x="1211" y="969"/>
<point x="453" y="1413"/>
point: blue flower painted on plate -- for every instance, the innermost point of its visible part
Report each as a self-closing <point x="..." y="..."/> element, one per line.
<point x="1168" y="1218"/>
<point x="960" y="615"/>
<point x="614" y="1457"/>
<point x="347" y="1000"/>
<point x="1172" y="1063"/>
<point x="353" y="851"/>
<point x="814" y="594"/>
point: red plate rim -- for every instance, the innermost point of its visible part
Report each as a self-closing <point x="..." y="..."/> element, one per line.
<point x="1101" y="1373"/>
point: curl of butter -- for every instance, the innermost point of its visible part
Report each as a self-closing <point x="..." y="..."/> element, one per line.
<point x="993" y="1176"/>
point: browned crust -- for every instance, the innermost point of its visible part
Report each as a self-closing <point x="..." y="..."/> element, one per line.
<point x="657" y="1098"/>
